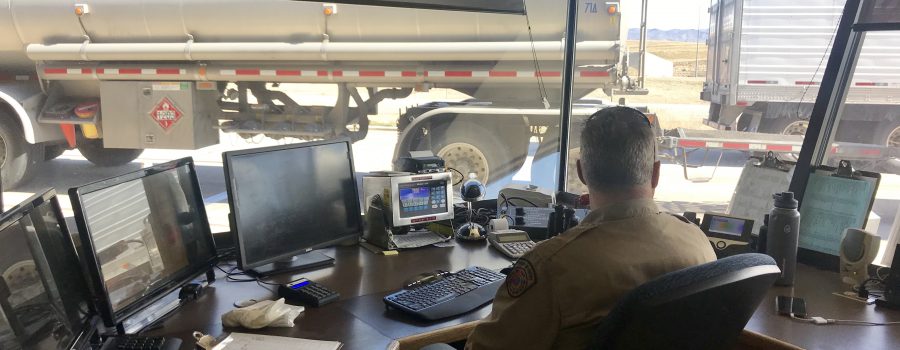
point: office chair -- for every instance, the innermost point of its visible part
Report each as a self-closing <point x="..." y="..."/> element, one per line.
<point x="700" y="307"/>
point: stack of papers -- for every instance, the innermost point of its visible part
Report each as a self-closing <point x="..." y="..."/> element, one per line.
<point x="245" y="341"/>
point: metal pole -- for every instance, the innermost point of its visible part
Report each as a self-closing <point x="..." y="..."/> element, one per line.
<point x="566" y="101"/>
<point x="643" y="44"/>
<point x="697" y="53"/>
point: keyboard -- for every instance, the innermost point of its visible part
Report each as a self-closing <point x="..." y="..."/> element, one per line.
<point x="416" y="239"/>
<point x="135" y="342"/>
<point x="448" y="295"/>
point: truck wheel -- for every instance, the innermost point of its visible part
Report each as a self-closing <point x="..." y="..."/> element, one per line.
<point x="17" y="156"/>
<point x="784" y="126"/>
<point x="52" y="152"/>
<point x="94" y="152"/>
<point x="476" y="150"/>
<point x="887" y="133"/>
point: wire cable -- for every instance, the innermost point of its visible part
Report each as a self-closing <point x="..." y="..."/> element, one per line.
<point x="822" y="60"/>
<point x="542" y="89"/>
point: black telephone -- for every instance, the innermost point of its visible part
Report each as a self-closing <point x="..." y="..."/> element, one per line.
<point x="561" y="219"/>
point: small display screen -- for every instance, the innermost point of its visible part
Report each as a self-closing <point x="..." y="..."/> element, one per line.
<point x="299" y="285"/>
<point x="727" y="226"/>
<point x="423" y="198"/>
<point x="512" y="238"/>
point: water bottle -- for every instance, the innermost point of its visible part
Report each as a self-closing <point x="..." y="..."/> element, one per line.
<point x="782" y="236"/>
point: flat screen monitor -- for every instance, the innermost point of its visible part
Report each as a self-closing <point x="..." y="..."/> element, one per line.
<point x="288" y="200"/>
<point x="144" y="234"/>
<point x="44" y="300"/>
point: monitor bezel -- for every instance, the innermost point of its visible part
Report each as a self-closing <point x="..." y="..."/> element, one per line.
<point x="234" y="223"/>
<point x="95" y="274"/>
<point x="26" y="207"/>
<point x="416" y="220"/>
<point x="745" y="233"/>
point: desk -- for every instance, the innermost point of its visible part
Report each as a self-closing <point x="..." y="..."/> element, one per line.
<point x="816" y="287"/>
<point x="360" y="320"/>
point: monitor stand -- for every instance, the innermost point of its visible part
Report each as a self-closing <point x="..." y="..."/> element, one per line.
<point x="306" y="261"/>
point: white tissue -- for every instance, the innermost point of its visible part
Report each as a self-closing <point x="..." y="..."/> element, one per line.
<point x="266" y="313"/>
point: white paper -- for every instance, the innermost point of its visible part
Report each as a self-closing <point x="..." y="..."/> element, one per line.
<point x="246" y="341"/>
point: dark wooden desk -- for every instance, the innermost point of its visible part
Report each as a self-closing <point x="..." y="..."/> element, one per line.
<point x="360" y="320"/>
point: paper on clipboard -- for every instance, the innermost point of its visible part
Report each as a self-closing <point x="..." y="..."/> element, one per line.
<point x="830" y="205"/>
<point x="246" y="341"/>
<point x="752" y="198"/>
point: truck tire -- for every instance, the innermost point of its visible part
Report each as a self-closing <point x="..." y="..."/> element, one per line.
<point x="52" y="152"/>
<point x="17" y="156"/>
<point x="471" y="148"/>
<point x="887" y="133"/>
<point x="93" y="151"/>
<point x="784" y="126"/>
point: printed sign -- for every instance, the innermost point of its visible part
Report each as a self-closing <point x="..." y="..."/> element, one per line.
<point x="165" y="114"/>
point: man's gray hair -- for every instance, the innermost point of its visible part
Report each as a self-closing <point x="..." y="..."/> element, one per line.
<point x="618" y="149"/>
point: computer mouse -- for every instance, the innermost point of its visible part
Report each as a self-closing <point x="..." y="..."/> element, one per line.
<point x="245" y="303"/>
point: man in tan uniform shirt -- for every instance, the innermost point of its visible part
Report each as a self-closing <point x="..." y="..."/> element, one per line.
<point x="557" y="294"/>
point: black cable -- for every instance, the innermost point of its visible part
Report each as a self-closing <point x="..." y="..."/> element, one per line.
<point x="521" y="199"/>
<point x="822" y="60"/>
<point x="461" y="176"/>
<point x="542" y="90"/>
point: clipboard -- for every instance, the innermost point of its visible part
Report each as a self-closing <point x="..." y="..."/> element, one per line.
<point x="760" y="179"/>
<point x="835" y="199"/>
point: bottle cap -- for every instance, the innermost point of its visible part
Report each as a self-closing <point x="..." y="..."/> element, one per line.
<point x="785" y="200"/>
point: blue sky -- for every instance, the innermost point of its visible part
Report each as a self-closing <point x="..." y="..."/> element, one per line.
<point x="668" y="14"/>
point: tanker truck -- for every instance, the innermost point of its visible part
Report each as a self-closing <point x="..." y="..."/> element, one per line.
<point x="112" y="78"/>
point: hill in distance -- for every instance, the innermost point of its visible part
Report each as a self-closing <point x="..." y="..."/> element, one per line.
<point x="683" y="35"/>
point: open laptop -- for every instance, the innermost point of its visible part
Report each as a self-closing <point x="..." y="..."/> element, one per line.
<point x="45" y="302"/>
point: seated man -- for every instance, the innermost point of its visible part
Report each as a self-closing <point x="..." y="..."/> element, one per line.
<point x="557" y="294"/>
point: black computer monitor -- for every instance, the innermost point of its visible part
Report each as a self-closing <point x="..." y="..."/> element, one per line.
<point x="288" y="200"/>
<point x="44" y="300"/>
<point x="144" y="234"/>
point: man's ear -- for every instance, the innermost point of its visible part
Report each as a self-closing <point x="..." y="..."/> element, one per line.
<point x="580" y="172"/>
<point x="654" y="180"/>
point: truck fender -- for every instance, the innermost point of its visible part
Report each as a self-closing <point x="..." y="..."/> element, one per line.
<point x="18" y="112"/>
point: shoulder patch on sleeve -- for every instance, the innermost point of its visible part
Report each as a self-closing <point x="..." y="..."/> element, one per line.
<point x="520" y="278"/>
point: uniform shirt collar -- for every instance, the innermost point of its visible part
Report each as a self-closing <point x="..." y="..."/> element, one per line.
<point x="623" y="210"/>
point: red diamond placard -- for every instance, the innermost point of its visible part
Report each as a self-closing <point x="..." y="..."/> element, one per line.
<point x="165" y="114"/>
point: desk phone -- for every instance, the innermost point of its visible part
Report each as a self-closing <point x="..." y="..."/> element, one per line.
<point x="512" y="243"/>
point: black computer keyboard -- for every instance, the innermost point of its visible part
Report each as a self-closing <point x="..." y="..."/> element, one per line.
<point x="135" y="342"/>
<point x="448" y="295"/>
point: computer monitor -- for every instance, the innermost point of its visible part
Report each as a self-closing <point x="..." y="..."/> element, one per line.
<point x="44" y="300"/>
<point x="288" y="200"/>
<point x="143" y="235"/>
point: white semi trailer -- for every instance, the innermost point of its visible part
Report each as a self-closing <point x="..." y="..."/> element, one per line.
<point x="112" y="78"/>
<point x="766" y="60"/>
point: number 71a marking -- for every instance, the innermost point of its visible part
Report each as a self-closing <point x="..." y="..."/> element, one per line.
<point x="590" y="7"/>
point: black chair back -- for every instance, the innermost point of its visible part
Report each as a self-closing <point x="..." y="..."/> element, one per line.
<point x="700" y="307"/>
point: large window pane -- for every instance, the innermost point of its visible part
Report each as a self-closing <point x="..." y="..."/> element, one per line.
<point x="867" y="131"/>
<point x="727" y="82"/>
<point x="481" y="90"/>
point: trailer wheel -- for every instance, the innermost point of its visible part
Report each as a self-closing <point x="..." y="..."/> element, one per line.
<point x="17" y="156"/>
<point x="471" y="148"/>
<point x="887" y="133"/>
<point x="52" y="152"/>
<point x="94" y="152"/>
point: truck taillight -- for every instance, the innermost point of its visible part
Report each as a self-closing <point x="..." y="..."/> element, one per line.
<point x="612" y="8"/>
